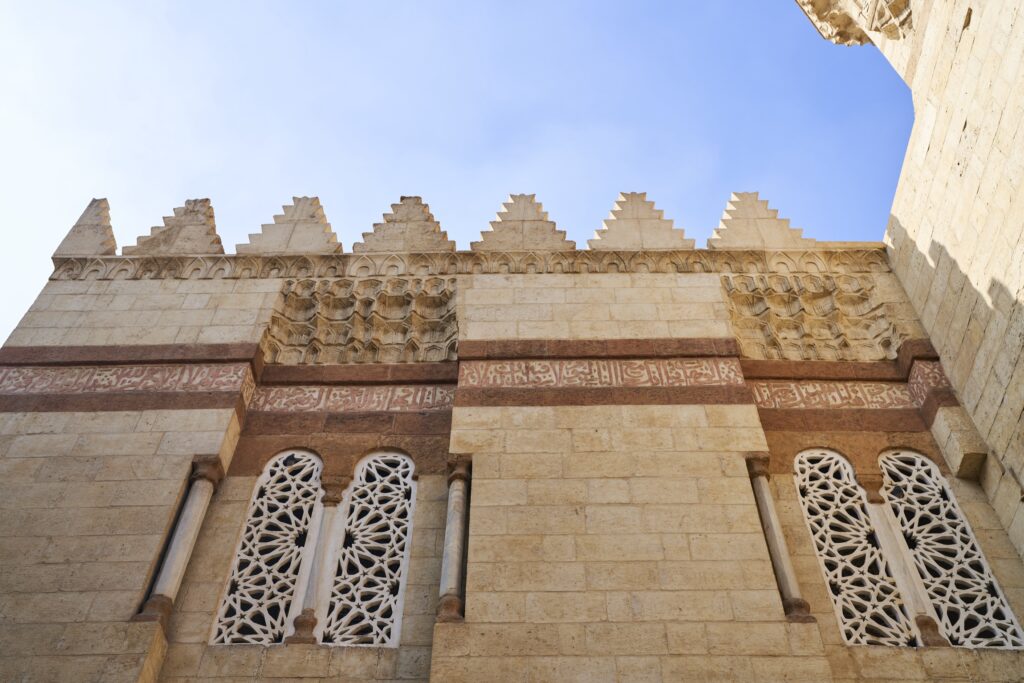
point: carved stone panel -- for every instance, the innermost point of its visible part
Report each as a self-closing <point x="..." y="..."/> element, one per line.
<point x="810" y="317"/>
<point x="365" y="320"/>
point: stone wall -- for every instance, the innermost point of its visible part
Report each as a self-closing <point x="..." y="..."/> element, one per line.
<point x="87" y="500"/>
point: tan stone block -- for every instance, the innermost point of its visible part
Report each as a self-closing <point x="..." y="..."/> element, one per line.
<point x="531" y="466"/>
<point x="182" y="660"/>
<point x="632" y="547"/>
<point x="556" y="492"/>
<point x="705" y="668"/>
<point x="747" y="639"/>
<point x="803" y="669"/>
<point x="888" y="663"/>
<point x="626" y="639"/>
<point x="47" y="608"/>
<point x="734" y="491"/>
<point x="619" y="575"/>
<point x="549" y="519"/>
<point x="740" y="546"/>
<point x="732" y="416"/>
<point x="691" y="605"/>
<point x="475" y="417"/>
<point x="585" y="417"/>
<point x="687" y="638"/>
<point x="638" y="669"/>
<point x="677" y="546"/>
<point x="735" y="438"/>
<point x="607" y="491"/>
<point x="513" y="639"/>
<point x="650" y="439"/>
<point x="663" y="490"/>
<point x="680" y="464"/>
<point x="538" y="441"/>
<point x="296" y="661"/>
<point x="527" y="417"/>
<point x="413" y="662"/>
<point x="556" y="607"/>
<point x="487" y="520"/>
<point x="526" y="576"/>
<point x="497" y="607"/>
<point x="533" y="548"/>
<point x="473" y="441"/>
<point x="594" y="465"/>
<point x="591" y="440"/>
<point x="488" y="492"/>
<point x="610" y="519"/>
<point x="231" y="660"/>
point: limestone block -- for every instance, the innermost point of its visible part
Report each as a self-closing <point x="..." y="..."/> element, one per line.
<point x="191" y="230"/>
<point x="410" y="227"/>
<point x="91" y="235"/>
<point x="634" y="224"/>
<point x="748" y="223"/>
<point x="523" y="225"/>
<point x="301" y="229"/>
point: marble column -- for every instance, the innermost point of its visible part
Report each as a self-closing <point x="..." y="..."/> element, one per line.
<point x="450" y="606"/>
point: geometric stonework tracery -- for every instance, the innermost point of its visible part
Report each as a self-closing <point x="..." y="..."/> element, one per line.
<point x="364" y="320"/>
<point x="258" y="601"/>
<point x="859" y="580"/>
<point x="372" y="554"/>
<point x="809" y="317"/>
<point x="971" y="609"/>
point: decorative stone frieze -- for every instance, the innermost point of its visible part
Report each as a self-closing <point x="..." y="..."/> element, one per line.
<point x="390" y="398"/>
<point x="817" y="395"/>
<point x="679" y="372"/>
<point x="522" y="224"/>
<point x="634" y="223"/>
<point x="364" y="321"/>
<point x="301" y="229"/>
<point x="91" y="235"/>
<point x="121" y="378"/>
<point x="191" y="230"/>
<point x="837" y="261"/>
<point x="848" y="22"/>
<point x="410" y="227"/>
<point x="810" y="317"/>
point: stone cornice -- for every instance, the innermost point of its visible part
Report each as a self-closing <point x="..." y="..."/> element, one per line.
<point x="862" y="257"/>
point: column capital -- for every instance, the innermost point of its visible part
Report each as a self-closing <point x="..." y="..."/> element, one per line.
<point x="872" y="485"/>
<point x="458" y="471"/>
<point x="334" y="486"/>
<point x="757" y="464"/>
<point x="207" y="467"/>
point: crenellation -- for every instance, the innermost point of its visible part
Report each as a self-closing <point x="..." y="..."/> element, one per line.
<point x="91" y="235"/>
<point x="191" y="230"/>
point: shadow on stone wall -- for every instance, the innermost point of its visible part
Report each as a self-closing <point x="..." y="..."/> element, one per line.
<point x="979" y="339"/>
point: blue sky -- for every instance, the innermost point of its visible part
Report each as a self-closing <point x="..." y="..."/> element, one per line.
<point x="250" y="103"/>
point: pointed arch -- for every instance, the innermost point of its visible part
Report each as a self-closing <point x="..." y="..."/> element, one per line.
<point x="858" y="577"/>
<point x="263" y="591"/>
<point x="972" y="610"/>
<point x="372" y="554"/>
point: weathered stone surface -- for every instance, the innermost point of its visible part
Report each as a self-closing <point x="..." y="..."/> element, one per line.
<point x="191" y="230"/>
<point x="523" y="225"/>
<point x="301" y="229"/>
<point x="410" y="227"/>
<point x="634" y="224"/>
<point x="91" y="235"/>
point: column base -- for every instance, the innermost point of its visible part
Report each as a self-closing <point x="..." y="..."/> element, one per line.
<point x="449" y="609"/>
<point x="931" y="636"/>
<point x="798" y="611"/>
<point x="157" y="608"/>
<point x="304" y="625"/>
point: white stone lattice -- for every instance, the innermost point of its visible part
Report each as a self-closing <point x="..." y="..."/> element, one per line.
<point x="859" y="580"/>
<point x="365" y="603"/>
<point x="970" y="606"/>
<point x="258" y="601"/>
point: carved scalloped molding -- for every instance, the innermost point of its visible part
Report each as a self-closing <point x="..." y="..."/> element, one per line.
<point x="851" y="260"/>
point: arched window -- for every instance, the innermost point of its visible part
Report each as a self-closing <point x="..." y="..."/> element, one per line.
<point x="970" y="606"/>
<point x="262" y="595"/>
<point x="372" y="550"/>
<point x="858" y="577"/>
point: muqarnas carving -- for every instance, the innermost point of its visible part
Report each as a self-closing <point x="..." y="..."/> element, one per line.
<point x="364" y="320"/>
<point x="809" y="317"/>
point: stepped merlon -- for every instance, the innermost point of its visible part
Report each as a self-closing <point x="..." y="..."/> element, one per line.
<point x="749" y="223"/>
<point x="410" y="227"/>
<point x="301" y="229"/>
<point x="191" y="230"/>
<point x="91" y="235"/>
<point x="634" y="224"/>
<point x="523" y="225"/>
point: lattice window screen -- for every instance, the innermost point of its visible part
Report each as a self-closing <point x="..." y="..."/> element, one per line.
<point x="969" y="603"/>
<point x="258" y="600"/>
<point x="859" y="580"/>
<point x="372" y="555"/>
